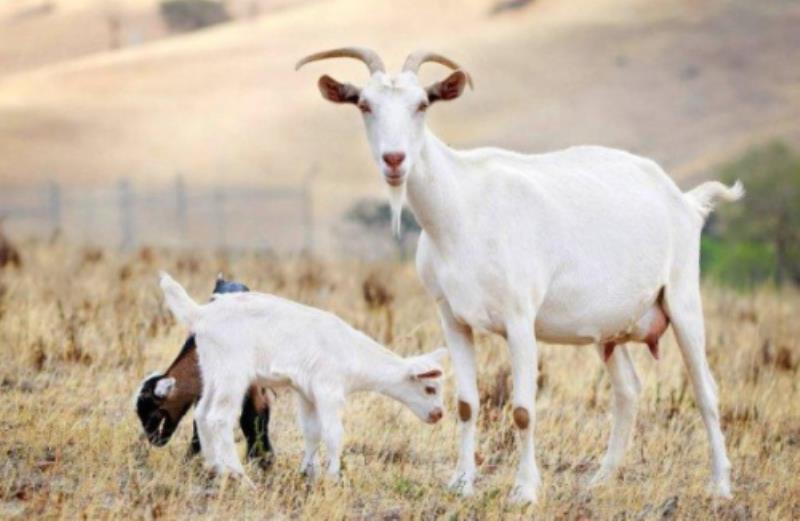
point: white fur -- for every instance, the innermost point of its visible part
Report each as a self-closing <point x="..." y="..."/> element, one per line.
<point x="569" y="247"/>
<point x="253" y="337"/>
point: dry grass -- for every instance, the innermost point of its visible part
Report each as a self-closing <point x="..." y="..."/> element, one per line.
<point x="79" y="328"/>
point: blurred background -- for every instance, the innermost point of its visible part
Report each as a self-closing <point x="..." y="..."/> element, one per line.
<point x="182" y="123"/>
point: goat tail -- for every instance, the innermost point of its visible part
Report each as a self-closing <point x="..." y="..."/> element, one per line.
<point x="186" y="310"/>
<point x="705" y="196"/>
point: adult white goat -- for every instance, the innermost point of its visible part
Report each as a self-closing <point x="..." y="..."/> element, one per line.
<point x="584" y="245"/>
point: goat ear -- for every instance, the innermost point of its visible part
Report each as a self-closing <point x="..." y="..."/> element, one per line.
<point x="449" y="88"/>
<point x="424" y="366"/>
<point x="164" y="387"/>
<point x="337" y="92"/>
<point x="433" y="373"/>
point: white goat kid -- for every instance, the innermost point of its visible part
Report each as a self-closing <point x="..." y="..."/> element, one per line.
<point x="246" y="338"/>
<point x="584" y="245"/>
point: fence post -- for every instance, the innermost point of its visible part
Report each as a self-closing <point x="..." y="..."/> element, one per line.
<point x="126" y="214"/>
<point x="54" y="205"/>
<point x="219" y="212"/>
<point x="181" y="207"/>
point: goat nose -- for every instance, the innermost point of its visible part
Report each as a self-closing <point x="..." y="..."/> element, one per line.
<point x="435" y="415"/>
<point x="393" y="159"/>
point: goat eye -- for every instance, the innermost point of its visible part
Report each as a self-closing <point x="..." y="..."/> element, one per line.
<point x="423" y="106"/>
<point x="364" y="107"/>
<point x="430" y="390"/>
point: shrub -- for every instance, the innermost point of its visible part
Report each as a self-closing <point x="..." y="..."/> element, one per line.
<point x="739" y="264"/>
<point x="758" y="238"/>
<point x="376" y="217"/>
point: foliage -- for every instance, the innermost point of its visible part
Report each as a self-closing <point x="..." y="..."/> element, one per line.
<point x="758" y="238"/>
<point x="377" y="217"/>
<point x="741" y="264"/>
<point x="373" y="214"/>
<point x="191" y="15"/>
<point x="9" y="254"/>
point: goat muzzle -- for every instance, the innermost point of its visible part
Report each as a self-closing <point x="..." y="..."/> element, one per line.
<point x="159" y="428"/>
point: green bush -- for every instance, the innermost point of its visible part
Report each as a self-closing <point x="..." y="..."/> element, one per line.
<point x="739" y="264"/>
<point x="190" y="15"/>
<point x="758" y="238"/>
<point x="378" y="215"/>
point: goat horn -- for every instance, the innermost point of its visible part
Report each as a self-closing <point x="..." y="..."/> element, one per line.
<point x="417" y="58"/>
<point x="368" y="56"/>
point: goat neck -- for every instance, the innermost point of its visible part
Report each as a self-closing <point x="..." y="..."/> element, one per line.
<point x="434" y="191"/>
<point x="377" y="370"/>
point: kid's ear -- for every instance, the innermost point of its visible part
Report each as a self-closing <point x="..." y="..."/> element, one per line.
<point x="164" y="387"/>
<point x="433" y="373"/>
<point x="425" y="366"/>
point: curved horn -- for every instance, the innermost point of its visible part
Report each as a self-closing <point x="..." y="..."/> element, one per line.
<point x="368" y="56"/>
<point x="417" y="58"/>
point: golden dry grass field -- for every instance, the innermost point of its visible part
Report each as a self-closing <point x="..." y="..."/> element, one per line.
<point x="80" y="327"/>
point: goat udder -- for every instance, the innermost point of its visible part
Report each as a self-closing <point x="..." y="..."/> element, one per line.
<point x="658" y="325"/>
<point x="649" y="330"/>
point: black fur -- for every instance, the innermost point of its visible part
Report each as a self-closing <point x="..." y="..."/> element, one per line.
<point x="225" y="286"/>
<point x="157" y="424"/>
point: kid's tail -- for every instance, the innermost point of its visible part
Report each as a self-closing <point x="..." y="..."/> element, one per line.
<point x="705" y="196"/>
<point x="185" y="309"/>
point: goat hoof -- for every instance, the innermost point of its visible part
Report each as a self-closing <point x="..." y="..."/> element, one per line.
<point x="721" y="489"/>
<point x="212" y="472"/>
<point x="309" y="469"/>
<point x="462" y="484"/>
<point x="522" y="494"/>
<point x="245" y="481"/>
<point x="600" y="477"/>
<point x="265" y="461"/>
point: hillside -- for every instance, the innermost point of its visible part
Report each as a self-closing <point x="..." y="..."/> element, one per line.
<point x="37" y="33"/>
<point x="686" y="84"/>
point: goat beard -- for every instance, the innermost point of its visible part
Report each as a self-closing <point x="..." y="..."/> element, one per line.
<point x="397" y="196"/>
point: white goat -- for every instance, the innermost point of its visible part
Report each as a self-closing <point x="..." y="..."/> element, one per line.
<point x="246" y="338"/>
<point x="584" y="245"/>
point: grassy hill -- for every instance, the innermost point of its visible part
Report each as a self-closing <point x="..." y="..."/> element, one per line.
<point x="37" y="33"/>
<point x="683" y="83"/>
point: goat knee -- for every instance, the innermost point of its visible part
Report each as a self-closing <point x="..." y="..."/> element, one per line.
<point x="464" y="411"/>
<point x="522" y="418"/>
<point x="627" y="394"/>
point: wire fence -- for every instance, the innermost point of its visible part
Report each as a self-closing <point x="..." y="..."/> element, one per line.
<point x="126" y="216"/>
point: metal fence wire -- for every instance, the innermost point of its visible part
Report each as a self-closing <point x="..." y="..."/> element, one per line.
<point x="176" y="215"/>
